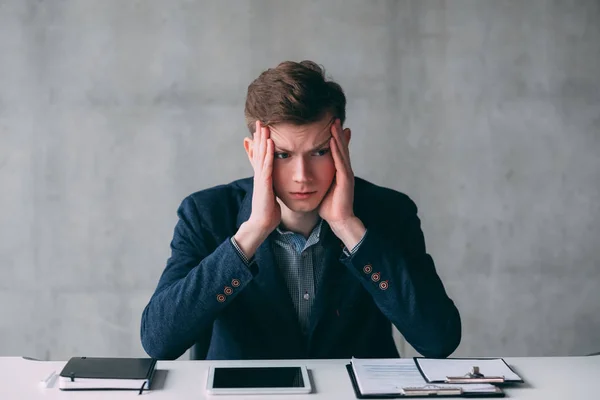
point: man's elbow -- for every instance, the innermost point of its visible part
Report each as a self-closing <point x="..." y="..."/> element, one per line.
<point x="153" y="343"/>
<point x="445" y="340"/>
<point x="156" y="348"/>
<point x="445" y="347"/>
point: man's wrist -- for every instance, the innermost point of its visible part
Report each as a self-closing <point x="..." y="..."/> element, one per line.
<point x="350" y="231"/>
<point x="249" y="237"/>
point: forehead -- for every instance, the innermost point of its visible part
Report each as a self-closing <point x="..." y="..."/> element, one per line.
<point x="291" y="136"/>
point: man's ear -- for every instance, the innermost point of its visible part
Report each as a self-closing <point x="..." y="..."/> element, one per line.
<point x="249" y="147"/>
<point x="347" y="134"/>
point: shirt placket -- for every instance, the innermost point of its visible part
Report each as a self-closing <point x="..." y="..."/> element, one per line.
<point x="307" y="287"/>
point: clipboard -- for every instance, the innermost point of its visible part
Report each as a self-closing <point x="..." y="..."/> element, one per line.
<point x="426" y="391"/>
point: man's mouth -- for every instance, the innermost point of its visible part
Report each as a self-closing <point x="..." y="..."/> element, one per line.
<point x="302" y="195"/>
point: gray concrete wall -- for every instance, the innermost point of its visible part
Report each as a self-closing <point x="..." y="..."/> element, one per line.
<point x="487" y="113"/>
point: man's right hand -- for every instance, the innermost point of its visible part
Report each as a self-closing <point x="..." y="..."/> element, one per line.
<point x="266" y="211"/>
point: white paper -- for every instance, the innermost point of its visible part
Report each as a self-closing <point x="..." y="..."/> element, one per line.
<point x="390" y="375"/>
<point x="439" y="369"/>
<point x="379" y="376"/>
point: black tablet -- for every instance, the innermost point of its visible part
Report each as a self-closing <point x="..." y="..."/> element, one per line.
<point x="258" y="380"/>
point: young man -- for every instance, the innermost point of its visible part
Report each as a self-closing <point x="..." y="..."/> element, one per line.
<point x="304" y="260"/>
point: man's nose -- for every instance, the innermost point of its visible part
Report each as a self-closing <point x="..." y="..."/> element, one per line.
<point x="302" y="171"/>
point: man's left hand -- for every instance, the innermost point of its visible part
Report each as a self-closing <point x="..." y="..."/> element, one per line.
<point x="337" y="208"/>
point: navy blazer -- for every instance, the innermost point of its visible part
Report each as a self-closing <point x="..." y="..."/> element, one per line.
<point x="208" y="296"/>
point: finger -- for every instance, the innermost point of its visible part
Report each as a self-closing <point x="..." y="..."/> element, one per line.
<point x="268" y="164"/>
<point x="262" y="147"/>
<point x="338" y="127"/>
<point x="344" y="140"/>
<point x="340" y="165"/>
<point x="340" y="143"/>
<point x="269" y="146"/>
<point x="346" y="148"/>
<point x="257" y="131"/>
<point x="337" y="133"/>
<point x="256" y="141"/>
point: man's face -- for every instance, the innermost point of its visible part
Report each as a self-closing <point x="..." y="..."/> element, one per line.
<point x="303" y="168"/>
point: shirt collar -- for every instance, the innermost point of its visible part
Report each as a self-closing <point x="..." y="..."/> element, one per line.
<point x="315" y="232"/>
<point x="313" y="238"/>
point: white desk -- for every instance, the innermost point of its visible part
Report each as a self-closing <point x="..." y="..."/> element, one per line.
<point x="546" y="378"/>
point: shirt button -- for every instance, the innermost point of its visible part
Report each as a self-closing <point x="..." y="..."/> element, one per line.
<point x="306" y="296"/>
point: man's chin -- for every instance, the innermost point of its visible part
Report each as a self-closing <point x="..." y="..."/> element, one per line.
<point x="305" y="207"/>
<point x="304" y="210"/>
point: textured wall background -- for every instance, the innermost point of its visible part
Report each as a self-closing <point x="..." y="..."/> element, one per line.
<point x="487" y="113"/>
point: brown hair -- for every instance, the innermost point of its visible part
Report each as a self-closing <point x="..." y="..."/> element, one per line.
<point x="293" y="92"/>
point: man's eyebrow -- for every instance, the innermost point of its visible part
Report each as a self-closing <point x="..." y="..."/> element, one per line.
<point x="328" y="126"/>
<point x="310" y="151"/>
<point x="322" y="144"/>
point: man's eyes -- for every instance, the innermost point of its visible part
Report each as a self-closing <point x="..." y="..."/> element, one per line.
<point x="282" y="155"/>
<point x="322" y="152"/>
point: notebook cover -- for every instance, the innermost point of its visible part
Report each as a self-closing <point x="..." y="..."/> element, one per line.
<point x="359" y="395"/>
<point x="109" y="368"/>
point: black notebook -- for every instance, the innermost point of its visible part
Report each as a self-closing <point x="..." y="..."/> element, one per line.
<point x="88" y="373"/>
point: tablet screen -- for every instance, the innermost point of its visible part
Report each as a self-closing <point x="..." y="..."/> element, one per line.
<point x="257" y="377"/>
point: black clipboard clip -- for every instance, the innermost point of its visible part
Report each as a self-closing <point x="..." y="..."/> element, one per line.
<point x="474" y="376"/>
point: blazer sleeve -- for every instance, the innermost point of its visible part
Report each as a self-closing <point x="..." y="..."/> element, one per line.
<point x="200" y="279"/>
<point x="395" y="269"/>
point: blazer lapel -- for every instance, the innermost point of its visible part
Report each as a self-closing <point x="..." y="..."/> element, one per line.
<point x="330" y="286"/>
<point x="269" y="279"/>
<point x="272" y="285"/>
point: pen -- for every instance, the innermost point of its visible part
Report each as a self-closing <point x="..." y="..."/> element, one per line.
<point x="46" y="382"/>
